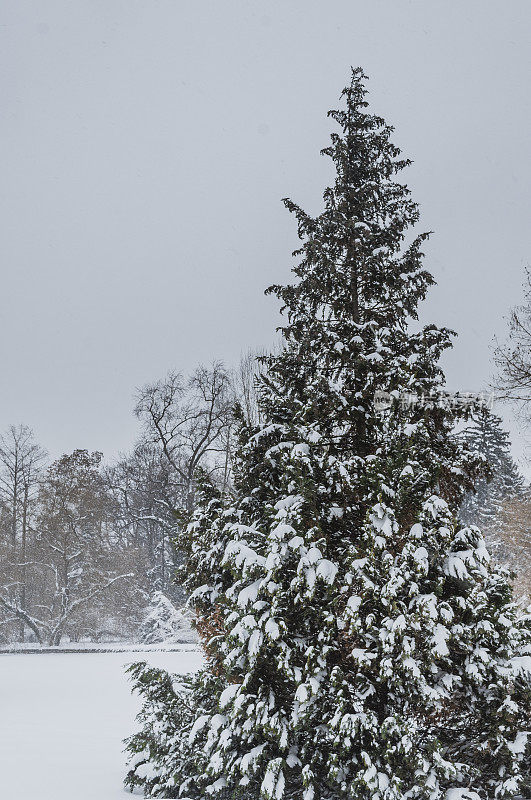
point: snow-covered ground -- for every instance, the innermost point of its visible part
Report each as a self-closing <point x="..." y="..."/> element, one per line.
<point x="62" y="721"/>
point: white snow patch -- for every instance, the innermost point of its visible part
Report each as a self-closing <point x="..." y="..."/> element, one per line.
<point x="518" y="747"/>
<point x="288" y="502"/>
<point x="522" y="664"/>
<point x="460" y="793"/>
<point x="272" y="630"/>
<point x="439" y="640"/>
<point x="300" y="450"/>
<point x="64" y="718"/>
<point x="228" y="694"/>
<point x="249" y="594"/>
<point x="326" y="570"/>
<point x="244" y="556"/>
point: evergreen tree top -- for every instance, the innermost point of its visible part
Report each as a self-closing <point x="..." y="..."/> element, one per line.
<point x="351" y="252"/>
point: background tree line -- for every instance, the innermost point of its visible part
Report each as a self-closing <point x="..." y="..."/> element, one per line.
<point x="83" y="545"/>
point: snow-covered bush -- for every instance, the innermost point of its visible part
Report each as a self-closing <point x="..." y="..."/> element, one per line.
<point x="164" y="623"/>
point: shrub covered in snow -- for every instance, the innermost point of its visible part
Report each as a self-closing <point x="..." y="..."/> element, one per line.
<point x="164" y="623"/>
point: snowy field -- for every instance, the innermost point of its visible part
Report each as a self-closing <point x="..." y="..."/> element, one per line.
<point x="62" y="721"/>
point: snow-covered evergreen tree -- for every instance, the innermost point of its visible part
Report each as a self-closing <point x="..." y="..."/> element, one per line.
<point x="486" y="437"/>
<point x="360" y="642"/>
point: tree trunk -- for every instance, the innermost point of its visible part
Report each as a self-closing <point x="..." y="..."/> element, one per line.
<point x="23" y="576"/>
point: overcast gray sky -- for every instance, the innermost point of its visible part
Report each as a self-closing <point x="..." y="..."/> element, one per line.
<point x="146" y="145"/>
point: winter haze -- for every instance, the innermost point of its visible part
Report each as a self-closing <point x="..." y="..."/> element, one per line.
<point x="145" y="150"/>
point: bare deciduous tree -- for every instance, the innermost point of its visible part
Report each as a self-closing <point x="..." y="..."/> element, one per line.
<point x="21" y="461"/>
<point x="245" y="380"/>
<point x="513" y="359"/>
<point x="187" y="419"/>
<point x="73" y="550"/>
<point x="513" y="533"/>
<point x="146" y="497"/>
